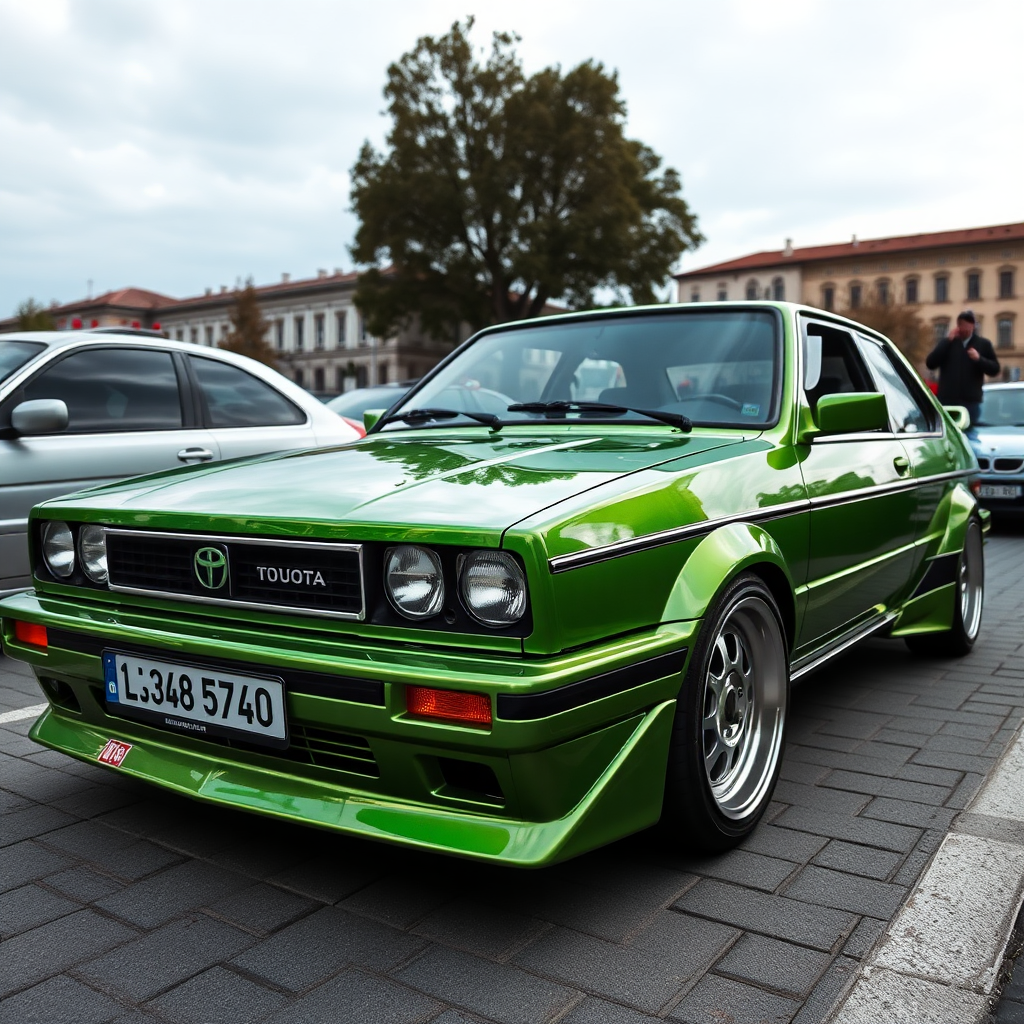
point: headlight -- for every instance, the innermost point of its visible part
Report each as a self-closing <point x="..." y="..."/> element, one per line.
<point x="92" y="550"/>
<point x="412" y="578"/>
<point x="493" y="588"/>
<point x="59" y="549"/>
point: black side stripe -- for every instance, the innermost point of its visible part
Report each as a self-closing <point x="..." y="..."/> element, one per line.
<point x="941" y="572"/>
<point x="314" y="684"/>
<point x="525" y="707"/>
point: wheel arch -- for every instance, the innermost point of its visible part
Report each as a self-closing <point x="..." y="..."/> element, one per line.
<point x="723" y="555"/>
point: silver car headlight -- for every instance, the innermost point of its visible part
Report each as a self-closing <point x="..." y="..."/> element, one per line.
<point x="59" y="549"/>
<point x="493" y="588"/>
<point x="413" y="581"/>
<point x="92" y="550"/>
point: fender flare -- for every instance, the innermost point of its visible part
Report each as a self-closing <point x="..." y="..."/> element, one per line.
<point x="962" y="505"/>
<point x="719" y="557"/>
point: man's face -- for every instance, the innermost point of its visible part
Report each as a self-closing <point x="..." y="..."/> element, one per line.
<point x="964" y="329"/>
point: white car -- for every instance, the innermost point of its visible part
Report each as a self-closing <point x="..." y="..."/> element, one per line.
<point x="83" y="408"/>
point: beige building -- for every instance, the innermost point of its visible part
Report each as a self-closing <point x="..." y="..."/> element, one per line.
<point x="939" y="273"/>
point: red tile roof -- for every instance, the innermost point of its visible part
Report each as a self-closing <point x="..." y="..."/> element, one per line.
<point x="122" y="298"/>
<point x="269" y="291"/>
<point x="867" y="246"/>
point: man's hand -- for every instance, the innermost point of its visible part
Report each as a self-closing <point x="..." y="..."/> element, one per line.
<point x="972" y="353"/>
<point x="954" y="333"/>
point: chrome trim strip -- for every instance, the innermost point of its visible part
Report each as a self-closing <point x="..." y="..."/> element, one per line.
<point x="590" y="556"/>
<point x="816" y="659"/>
<point x="236" y="602"/>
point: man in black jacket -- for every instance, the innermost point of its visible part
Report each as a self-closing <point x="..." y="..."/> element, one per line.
<point x="963" y="360"/>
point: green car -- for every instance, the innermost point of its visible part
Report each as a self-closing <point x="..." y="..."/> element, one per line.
<point x="557" y="594"/>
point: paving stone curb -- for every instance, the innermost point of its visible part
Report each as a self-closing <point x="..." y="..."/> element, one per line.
<point x="941" y="956"/>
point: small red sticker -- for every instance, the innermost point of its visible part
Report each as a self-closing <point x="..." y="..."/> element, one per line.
<point x="114" y="753"/>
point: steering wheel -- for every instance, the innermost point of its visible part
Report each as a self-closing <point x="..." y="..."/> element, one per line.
<point x="713" y="397"/>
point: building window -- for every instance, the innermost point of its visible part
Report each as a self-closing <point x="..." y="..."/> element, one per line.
<point x="361" y="377"/>
<point x="1004" y="332"/>
<point x="940" y="328"/>
<point x="300" y="378"/>
<point x="318" y="332"/>
<point x="382" y="373"/>
<point x="363" y="336"/>
<point x="279" y="334"/>
<point x="751" y="289"/>
<point x="942" y="289"/>
<point x="1006" y="284"/>
<point x="194" y="335"/>
<point x="318" y="379"/>
<point x="339" y="379"/>
<point x="828" y="297"/>
<point x="300" y="341"/>
<point x="911" y="291"/>
<point x="882" y="292"/>
<point x="695" y="295"/>
<point x="209" y="336"/>
<point x="855" y="296"/>
<point x="340" y="324"/>
<point x="779" y="290"/>
<point x="723" y="292"/>
<point x="974" y="285"/>
<point x="179" y="334"/>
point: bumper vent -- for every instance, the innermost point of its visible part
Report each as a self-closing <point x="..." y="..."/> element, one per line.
<point x="325" y="748"/>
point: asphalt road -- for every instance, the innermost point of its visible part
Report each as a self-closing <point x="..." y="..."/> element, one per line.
<point x="119" y="903"/>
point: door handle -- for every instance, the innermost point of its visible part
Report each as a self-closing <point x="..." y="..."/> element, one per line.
<point x="196" y="454"/>
<point x="902" y="465"/>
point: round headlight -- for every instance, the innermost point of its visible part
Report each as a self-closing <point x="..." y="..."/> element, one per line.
<point x="412" y="578"/>
<point x="59" y="549"/>
<point x="92" y="550"/>
<point x="493" y="588"/>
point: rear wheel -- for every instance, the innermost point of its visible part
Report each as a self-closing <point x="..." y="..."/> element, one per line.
<point x="730" y="721"/>
<point x="959" y="639"/>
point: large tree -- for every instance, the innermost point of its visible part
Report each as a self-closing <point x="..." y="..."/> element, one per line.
<point x="248" y="334"/>
<point x="898" y="322"/>
<point x="498" y="192"/>
<point x="34" y="317"/>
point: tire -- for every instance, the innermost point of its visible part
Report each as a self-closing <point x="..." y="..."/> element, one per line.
<point x="959" y="639"/>
<point x="729" y="731"/>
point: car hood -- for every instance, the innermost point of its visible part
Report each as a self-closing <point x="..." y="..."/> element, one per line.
<point x="436" y="479"/>
<point x="987" y="440"/>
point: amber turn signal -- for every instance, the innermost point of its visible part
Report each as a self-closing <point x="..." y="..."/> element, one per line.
<point x="30" y="633"/>
<point x="448" y="705"/>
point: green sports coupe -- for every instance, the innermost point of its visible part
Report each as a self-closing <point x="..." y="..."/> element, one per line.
<point x="556" y="595"/>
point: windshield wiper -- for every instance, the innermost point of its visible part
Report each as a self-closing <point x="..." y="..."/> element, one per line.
<point x="422" y="415"/>
<point x="554" y="408"/>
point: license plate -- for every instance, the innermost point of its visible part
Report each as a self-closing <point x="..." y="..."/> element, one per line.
<point x="1000" y="491"/>
<point x="196" y="700"/>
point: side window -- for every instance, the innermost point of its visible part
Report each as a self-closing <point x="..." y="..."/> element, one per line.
<point x="907" y="411"/>
<point x="832" y="365"/>
<point x="112" y="389"/>
<point x="235" y="398"/>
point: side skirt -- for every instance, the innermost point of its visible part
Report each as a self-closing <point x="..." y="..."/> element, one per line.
<point x="816" y="659"/>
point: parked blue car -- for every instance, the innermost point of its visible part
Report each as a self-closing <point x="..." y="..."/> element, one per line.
<point x="998" y="441"/>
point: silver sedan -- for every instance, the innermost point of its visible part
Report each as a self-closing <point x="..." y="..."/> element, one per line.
<point x="81" y="408"/>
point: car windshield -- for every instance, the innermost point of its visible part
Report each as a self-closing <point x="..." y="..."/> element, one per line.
<point x="1002" y="407"/>
<point x="14" y="354"/>
<point x="717" y="368"/>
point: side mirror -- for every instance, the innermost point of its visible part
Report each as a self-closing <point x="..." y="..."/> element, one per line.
<point x="370" y="417"/>
<point x="959" y="415"/>
<point x="40" y="416"/>
<point x="852" y="413"/>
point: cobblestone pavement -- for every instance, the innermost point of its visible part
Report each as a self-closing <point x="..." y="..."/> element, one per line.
<point x="119" y="903"/>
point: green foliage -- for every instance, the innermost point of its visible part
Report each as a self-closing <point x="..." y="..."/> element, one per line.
<point x="248" y="335"/>
<point x="499" y="192"/>
<point x="34" y="317"/>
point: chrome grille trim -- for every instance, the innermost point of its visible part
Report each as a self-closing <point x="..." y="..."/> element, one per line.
<point x="234" y="602"/>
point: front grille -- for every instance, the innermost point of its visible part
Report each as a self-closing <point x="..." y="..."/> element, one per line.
<point x="982" y="463"/>
<point x="308" y="576"/>
<point x="325" y="748"/>
<point x="1007" y="465"/>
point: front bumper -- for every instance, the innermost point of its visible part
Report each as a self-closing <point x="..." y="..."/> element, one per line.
<point x="578" y="744"/>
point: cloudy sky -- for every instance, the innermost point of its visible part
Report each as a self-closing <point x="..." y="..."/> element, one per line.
<point x="182" y="144"/>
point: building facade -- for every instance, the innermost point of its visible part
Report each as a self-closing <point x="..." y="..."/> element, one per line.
<point x="313" y="324"/>
<point x="939" y="274"/>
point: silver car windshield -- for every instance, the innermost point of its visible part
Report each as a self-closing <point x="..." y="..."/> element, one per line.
<point x="1002" y="407"/>
<point x="16" y="353"/>
<point x="716" y="368"/>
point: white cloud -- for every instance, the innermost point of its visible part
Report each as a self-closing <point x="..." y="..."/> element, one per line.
<point x="175" y="145"/>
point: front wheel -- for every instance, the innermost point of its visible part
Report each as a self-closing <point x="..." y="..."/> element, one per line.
<point x="726" y="747"/>
<point x="959" y="639"/>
